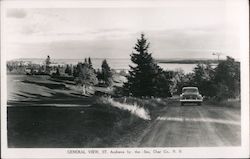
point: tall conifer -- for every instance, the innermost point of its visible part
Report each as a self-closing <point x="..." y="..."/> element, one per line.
<point x="141" y="78"/>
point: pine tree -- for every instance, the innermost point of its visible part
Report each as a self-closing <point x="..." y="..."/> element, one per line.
<point x="90" y="62"/>
<point x="57" y="72"/>
<point x="142" y="76"/>
<point x="106" y="73"/>
<point x="68" y="70"/>
<point x="47" y="65"/>
<point x="76" y="71"/>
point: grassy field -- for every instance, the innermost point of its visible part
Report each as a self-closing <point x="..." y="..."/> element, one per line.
<point x="45" y="113"/>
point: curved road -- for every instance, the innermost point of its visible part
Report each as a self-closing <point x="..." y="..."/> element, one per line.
<point x="190" y="125"/>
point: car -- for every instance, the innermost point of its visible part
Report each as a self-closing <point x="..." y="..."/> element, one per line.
<point x="191" y="95"/>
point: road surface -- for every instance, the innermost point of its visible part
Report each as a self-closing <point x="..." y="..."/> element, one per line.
<point x="192" y="126"/>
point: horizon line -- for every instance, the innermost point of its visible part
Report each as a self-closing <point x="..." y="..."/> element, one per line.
<point x="180" y="58"/>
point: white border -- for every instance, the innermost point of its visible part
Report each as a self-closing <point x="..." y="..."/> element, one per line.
<point x="199" y="152"/>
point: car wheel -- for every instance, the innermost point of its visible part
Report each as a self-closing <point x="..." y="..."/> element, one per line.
<point x="182" y="103"/>
<point x="199" y="103"/>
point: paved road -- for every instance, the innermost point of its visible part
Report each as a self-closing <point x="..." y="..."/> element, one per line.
<point x="189" y="126"/>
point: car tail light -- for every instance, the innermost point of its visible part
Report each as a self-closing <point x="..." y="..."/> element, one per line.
<point x="181" y="96"/>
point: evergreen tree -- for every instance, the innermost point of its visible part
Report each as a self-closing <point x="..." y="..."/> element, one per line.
<point x="163" y="83"/>
<point x="90" y="62"/>
<point x="47" y="65"/>
<point x="145" y="77"/>
<point x="57" y="72"/>
<point x="75" y="71"/>
<point x="99" y="74"/>
<point x="106" y="73"/>
<point x="227" y="79"/>
<point x="203" y="79"/>
<point x="68" y="70"/>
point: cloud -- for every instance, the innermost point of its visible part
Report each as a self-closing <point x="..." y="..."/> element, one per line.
<point x="16" y="13"/>
<point x="113" y="33"/>
<point x="173" y="43"/>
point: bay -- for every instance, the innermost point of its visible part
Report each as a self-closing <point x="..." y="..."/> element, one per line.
<point x="116" y="64"/>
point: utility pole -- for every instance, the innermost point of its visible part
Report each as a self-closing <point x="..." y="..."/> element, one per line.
<point x="218" y="55"/>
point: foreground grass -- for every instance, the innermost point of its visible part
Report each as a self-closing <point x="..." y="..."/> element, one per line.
<point x="56" y="116"/>
<point x="94" y="122"/>
<point x="43" y="126"/>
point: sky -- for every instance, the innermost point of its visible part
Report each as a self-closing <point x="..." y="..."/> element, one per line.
<point x="183" y="30"/>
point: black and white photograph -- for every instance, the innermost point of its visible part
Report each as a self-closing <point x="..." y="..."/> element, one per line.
<point x="125" y="78"/>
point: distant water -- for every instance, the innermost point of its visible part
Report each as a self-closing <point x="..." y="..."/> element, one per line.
<point x="187" y="68"/>
<point x="117" y="64"/>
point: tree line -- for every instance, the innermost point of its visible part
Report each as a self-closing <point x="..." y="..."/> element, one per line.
<point x="220" y="83"/>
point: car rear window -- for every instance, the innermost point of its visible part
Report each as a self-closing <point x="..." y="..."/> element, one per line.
<point x="190" y="90"/>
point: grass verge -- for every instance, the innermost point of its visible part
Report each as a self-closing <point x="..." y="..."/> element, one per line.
<point x="99" y="125"/>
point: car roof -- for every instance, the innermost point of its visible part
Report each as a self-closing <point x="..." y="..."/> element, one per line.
<point x="189" y="88"/>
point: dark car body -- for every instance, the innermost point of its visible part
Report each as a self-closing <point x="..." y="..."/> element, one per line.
<point x="190" y="95"/>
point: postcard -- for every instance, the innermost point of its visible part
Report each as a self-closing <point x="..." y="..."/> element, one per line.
<point x="125" y="79"/>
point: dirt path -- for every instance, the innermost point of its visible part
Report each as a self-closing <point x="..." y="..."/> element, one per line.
<point x="189" y="126"/>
